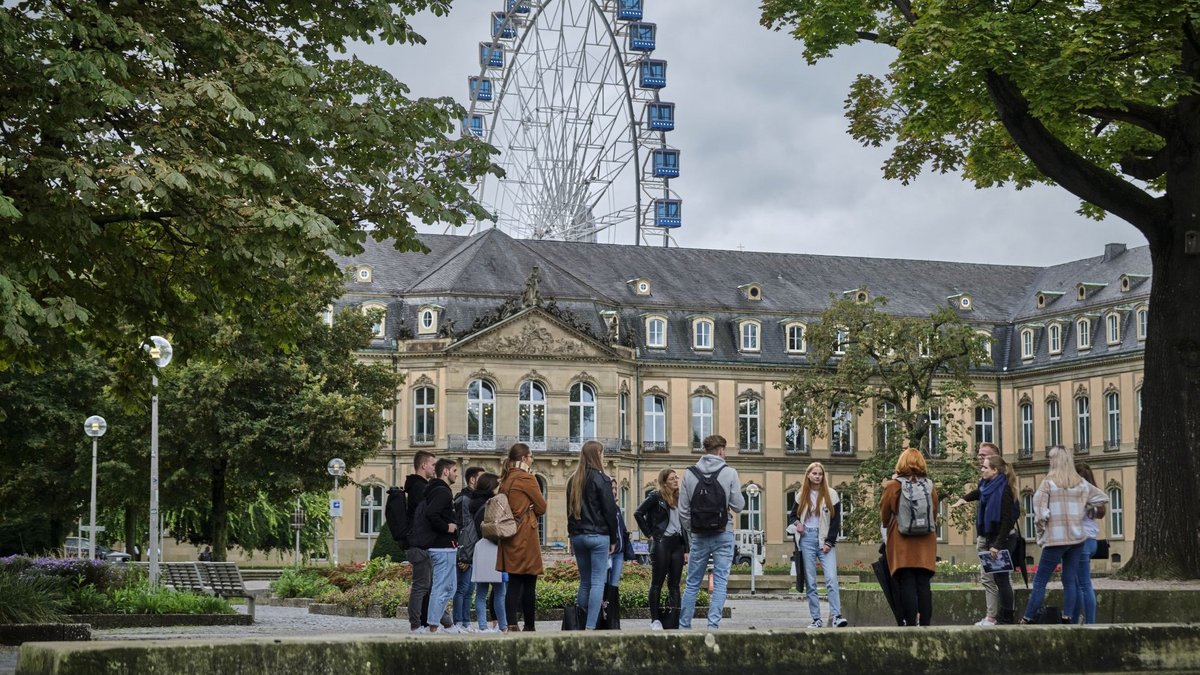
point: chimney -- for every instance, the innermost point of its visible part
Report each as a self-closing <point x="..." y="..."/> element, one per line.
<point x="1112" y="251"/>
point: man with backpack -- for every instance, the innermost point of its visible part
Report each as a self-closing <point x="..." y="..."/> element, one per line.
<point x="711" y="491"/>
<point x="436" y="524"/>
<point x="422" y="568"/>
<point x="462" y="514"/>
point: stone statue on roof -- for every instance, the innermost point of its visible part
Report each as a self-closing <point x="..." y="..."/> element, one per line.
<point x="531" y="297"/>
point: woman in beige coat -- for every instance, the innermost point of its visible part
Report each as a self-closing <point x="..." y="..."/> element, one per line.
<point x="912" y="560"/>
<point x="521" y="554"/>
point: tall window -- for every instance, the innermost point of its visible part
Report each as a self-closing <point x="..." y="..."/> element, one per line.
<point x="789" y="512"/>
<point x="624" y="419"/>
<point x="624" y="499"/>
<point x="1028" y="530"/>
<point x="886" y="429"/>
<point x="702" y="334"/>
<point x="377" y="326"/>
<point x="582" y="418"/>
<point x="1083" y="423"/>
<point x="370" y="509"/>
<point x="841" y="340"/>
<point x="795" y="438"/>
<point x="481" y="415"/>
<point x="841" y="435"/>
<point x="1053" y="422"/>
<point x="542" y="518"/>
<point x="1112" y="418"/>
<point x="751" y="516"/>
<point x="531" y="414"/>
<point x="654" y="419"/>
<point x="1054" y="337"/>
<point x="933" y="439"/>
<point x="656" y="332"/>
<point x="749" y="336"/>
<point x="1112" y="323"/>
<point x="1143" y="322"/>
<point x="424" y="415"/>
<point x="702" y="419"/>
<point x="985" y="424"/>
<point x="1027" y="344"/>
<point x="940" y="523"/>
<point x="748" y="423"/>
<point x="1083" y="334"/>
<point x="1026" y="429"/>
<point x="1116" y="512"/>
<point x="795" y="338"/>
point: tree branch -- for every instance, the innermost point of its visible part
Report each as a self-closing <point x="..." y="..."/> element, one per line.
<point x="1154" y="119"/>
<point x="1064" y="166"/>
<point x="1146" y="168"/>
<point x="124" y="217"/>
<point x="868" y="36"/>
<point x="905" y="7"/>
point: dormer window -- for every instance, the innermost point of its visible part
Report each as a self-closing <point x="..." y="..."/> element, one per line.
<point x="363" y="274"/>
<point x="1047" y="297"/>
<point x="427" y="319"/>
<point x="1112" y="328"/>
<point x="962" y="302"/>
<point x="859" y="295"/>
<point x="1027" y="343"/>
<point x="749" y="331"/>
<point x="1130" y="281"/>
<point x="702" y="334"/>
<point x="656" y="332"/>
<point x="327" y="315"/>
<point x="1143" y="322"/>
<point x="841" y="339"/>
<point x="1083" y="334"/>
<point x="613" y="324"/>
<point x="1054" y="333"/>
<point x="752" y="292"/>
<point x="985" y="339"/>
<point x="1084" y="291"/>
<point x="640" y="286"/>
<point x="796" y="339"/>
<point x="378" y="327"/>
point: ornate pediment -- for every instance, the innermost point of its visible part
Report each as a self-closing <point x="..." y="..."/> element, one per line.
<point x="422" y="381"/>
<point x="531" y="333"/>
<point x="703" y="390"/>
<point x="1081" y="390"/>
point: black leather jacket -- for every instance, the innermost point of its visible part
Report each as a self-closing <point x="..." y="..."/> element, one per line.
<point x="599" y="512"/>
<point x="653" y="516"/>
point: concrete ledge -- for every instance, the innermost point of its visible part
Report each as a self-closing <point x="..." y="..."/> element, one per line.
<point x="17" y="633"/>
<point x="104" y="621"/>
<point x="966" y="606"/>
<point x="285" y="602"/>
<point x="376" y="612"/>
<point x="951" y="650"/>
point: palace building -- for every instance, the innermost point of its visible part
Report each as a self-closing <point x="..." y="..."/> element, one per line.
<point x="651" y="349"/>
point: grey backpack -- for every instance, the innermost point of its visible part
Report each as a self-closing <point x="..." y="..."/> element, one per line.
<point x="915" y="515"/>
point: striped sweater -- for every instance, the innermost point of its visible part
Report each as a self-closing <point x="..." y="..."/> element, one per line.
<point x="1060" y="512"/>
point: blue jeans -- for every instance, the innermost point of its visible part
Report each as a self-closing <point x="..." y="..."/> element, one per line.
<point x="719" y="547"/>
<point x="444" y="582"/>
<point x="462" y="597"/>
<point x="591" y="554"/>
<point x="616" y="566"/>
<point x="1050" y="558"/>
<point x="1085" y="604"/>
<point x="481" y="590"/>
<point x="810" y="547"/>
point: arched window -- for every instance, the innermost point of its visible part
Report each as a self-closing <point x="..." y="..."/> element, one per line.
<point x="1053" y="423"/>
<point x="370" y="509"/>
<point x="378" y="325"/>
<point x="749" y="333"/>
<point x="702" y="419"/>
<point x="531" y="415"/>
<point x="624" y="421"/>
<point x="847" y="509"/>
<point x="940" y="524"/>
<point x="985" y="424"/>
<point x="887" y="430"/>
<point x="654" y="423"/>
<point x="933" y="438"/>
<point x="795" y="338"/>
<point x="624" y="500"/>
<point x="1112" y="324"/>
<point x="1143" y="322"/>
<point x="751" y="516"/>
<point x="656" y="332"/>
<point x="1083" y="334"/>
<point x="1112" y="418"/>
<point x="702" y="334"/>
<point x="1029" y="528"/>
<point x="986" y="342"/>
<point x="1083" y="423"/>
<point x="748" y="423"/>
<point x="1116" y="512"/>
<point x="424" y="415"/>
<point x="481" y="415"/>
<point x="1054" y="337"/>
<point x="795" y="438"/>
<point x="1026" y="429"/>
<point x="789" y="511"/>
<point x="841" y="435"/>
<point x="542" y="518"/>
<point x="582" y="422"/>
<point x="841" y="340"/>
<point x="1027" y="343"/>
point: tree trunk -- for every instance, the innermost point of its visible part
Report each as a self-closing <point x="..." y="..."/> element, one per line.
<point x="220" y="513"/>
<point x="131" y="533"/>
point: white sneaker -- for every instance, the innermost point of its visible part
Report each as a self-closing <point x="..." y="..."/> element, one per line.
<point x="986" y="621"/>
<point x="838" y="621"/>
<point x="816" y="623"/>
<point x="453" y="630"/>
<point x="656" y="625"/>
<point x="421" y="629"/>
<point x="489" y="629"/>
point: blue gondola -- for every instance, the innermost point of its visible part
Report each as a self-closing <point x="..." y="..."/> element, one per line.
<point x="666" y="162"/>
<point x="660" y="116"/>
<point x="652" y="74"/>
<point x="641" y="37"/>
<point x="491" y="57"/>
<point x="517" y="6"/>
<point x="667" y="213"/>
<point x="630" y="10"/>
<point x="481" y="88"/>
<point x="473" y="125"/>
<point x="501" y="27"/>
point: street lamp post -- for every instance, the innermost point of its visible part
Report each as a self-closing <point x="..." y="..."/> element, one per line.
<point x="368" y="502"/>
<point x="297" y="525"/>
<point x="336" y="468"/>
<point x="94" y="426"/>
<point x="160" y="352"/>
<point x="752" y="491"/>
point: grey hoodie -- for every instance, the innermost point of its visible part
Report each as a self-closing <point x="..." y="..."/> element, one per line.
<point x="729" y="481"/>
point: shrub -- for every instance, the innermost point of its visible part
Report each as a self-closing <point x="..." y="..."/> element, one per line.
<point x="29" y="599"/>
<point x="300" y="582"/>
<point x="387" y="548"/>
<point x="144" y="600"/>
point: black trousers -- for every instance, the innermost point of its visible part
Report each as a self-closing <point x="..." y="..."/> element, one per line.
<point x="667" y="564"/>
<point x="522" y="597"/>
<point x="916" y="598"/>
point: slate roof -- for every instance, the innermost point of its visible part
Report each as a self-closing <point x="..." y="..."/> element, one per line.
<point x="471" y="276"/>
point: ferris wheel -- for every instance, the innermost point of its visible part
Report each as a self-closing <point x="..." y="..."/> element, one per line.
<point x="568" y="92"/>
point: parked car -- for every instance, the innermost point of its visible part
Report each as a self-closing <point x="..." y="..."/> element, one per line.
<point x="77" y="547"/>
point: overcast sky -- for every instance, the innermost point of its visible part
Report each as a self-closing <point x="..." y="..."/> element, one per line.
<point x="766" y="160"/>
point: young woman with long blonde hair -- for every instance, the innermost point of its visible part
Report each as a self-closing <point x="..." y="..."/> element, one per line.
<point x="592" y="524"/>
<point x="658" y="519"/>
<point x="817" y="524"/>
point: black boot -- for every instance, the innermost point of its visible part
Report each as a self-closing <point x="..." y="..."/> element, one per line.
<point x="1006" y="616"/>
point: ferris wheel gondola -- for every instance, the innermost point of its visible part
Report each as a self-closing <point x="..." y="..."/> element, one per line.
<point x="568" y="93"/>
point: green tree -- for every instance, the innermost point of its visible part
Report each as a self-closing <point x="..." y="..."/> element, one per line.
<point x="165" y="162"/>
<point x="1098" y="97"/>
<point x="903" y="368"/>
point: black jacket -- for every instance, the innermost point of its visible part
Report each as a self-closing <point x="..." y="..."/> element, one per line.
<point x="1010" y="510"/>
<point x="653" y="516"/>
<point x="439" y="511"/>
<point x="475" y="508"/>
<point x="460" y="500"/>
<point x="599" y="512"/>
<point x="395" y="514"/>
<point x="414" y="488"/>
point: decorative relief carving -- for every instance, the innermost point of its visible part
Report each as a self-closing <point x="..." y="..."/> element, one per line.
<point x="655" y="391"/>
<point x="534" y="375"/>
<point x="750" y="393"/>
<point x="1111" y="388"/>
<point x="482" y="374"/>
<point x="1025" y="399"/>
<point x="1081" y="390"/>
<point x="703" y="390"/>
<point x="423" y="380"/>
<point x="533" y="340"/>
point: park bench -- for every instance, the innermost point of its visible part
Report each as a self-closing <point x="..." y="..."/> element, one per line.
<point x="224" y="579"/>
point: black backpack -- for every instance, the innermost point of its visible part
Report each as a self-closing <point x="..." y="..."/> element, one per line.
<point x="709" y="505"/>
<point x="396" y="515"/>
<point x="468" y="536"/>
<point x="421" y="535"/>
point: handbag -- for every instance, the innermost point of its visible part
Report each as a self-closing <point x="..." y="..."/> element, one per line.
<point x="1101" y="552"/>
<point x="574" y="617"/>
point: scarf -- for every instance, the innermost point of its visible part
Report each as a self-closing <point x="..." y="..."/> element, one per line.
<point x="991" y="494"/>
